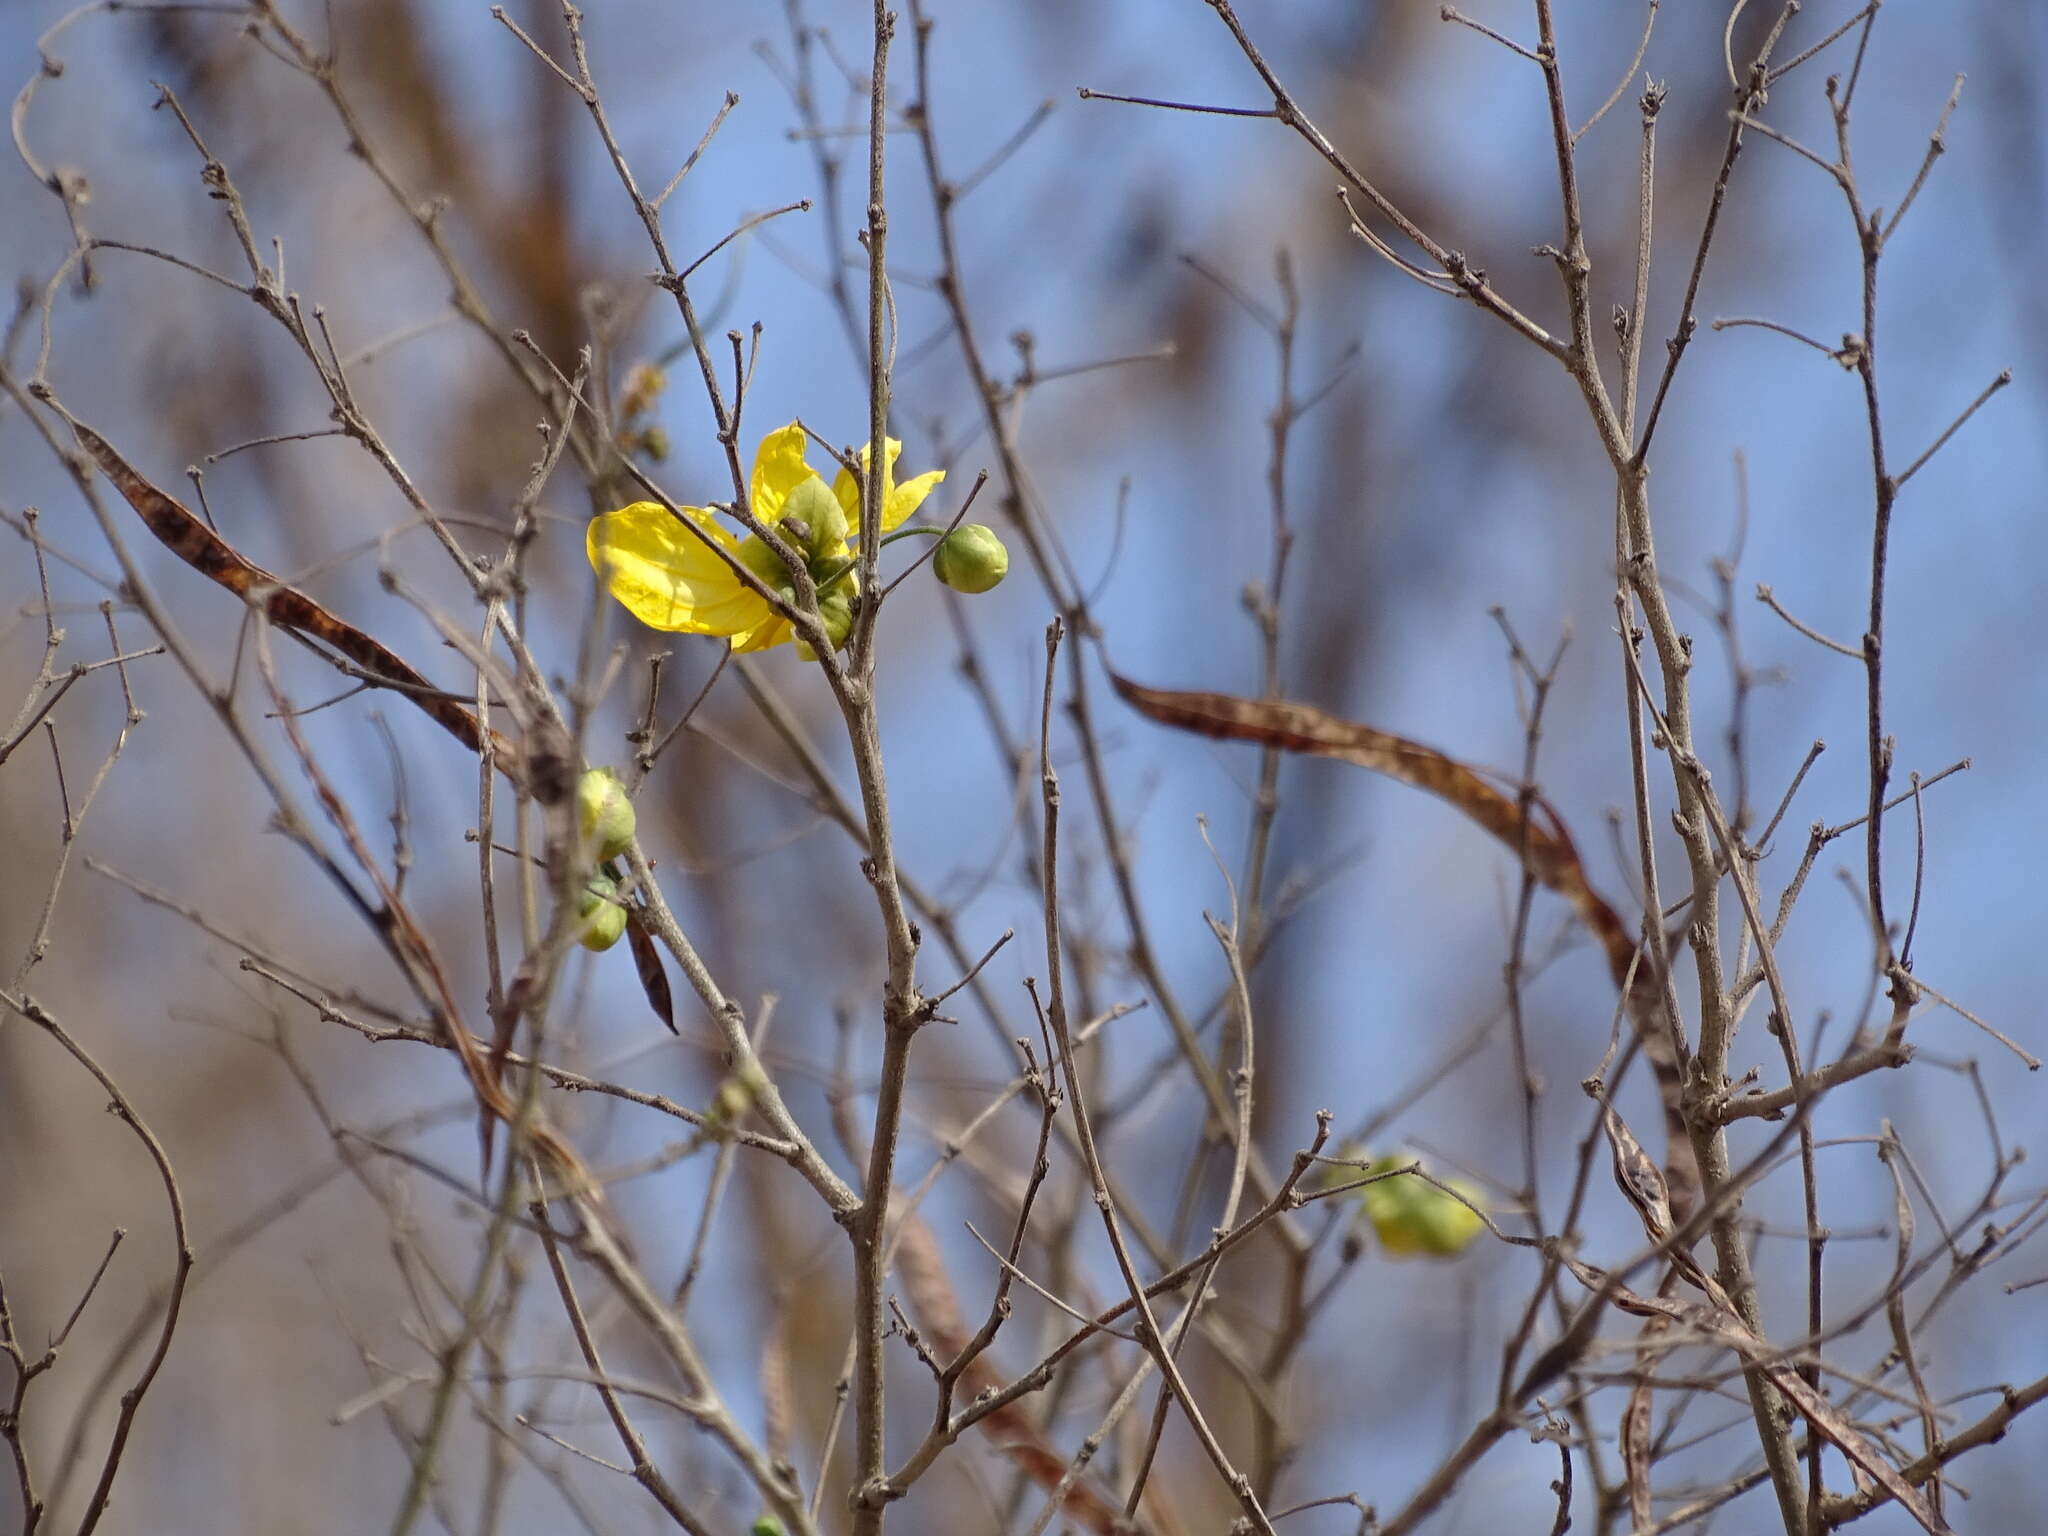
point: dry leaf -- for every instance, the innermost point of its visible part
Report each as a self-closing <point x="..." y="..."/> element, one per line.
<point x="647" y="962"/>
<point x="209" y="554"/>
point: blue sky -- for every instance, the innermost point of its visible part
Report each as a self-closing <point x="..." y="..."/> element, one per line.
<point x="1450" y="473"/>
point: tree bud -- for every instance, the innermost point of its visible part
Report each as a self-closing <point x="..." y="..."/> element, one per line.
<point x="971" y="559"/>
<point x="1410" y="1215"/>
<point x="604" y="814"/>
<point x="604" y="919"/>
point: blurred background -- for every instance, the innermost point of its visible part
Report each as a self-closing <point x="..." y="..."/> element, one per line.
<point x="1445" y="468"/>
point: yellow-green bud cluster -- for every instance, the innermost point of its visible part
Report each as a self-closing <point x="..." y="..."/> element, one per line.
<point x="816" y="527"/>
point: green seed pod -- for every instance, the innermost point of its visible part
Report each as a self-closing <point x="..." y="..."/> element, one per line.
<point x="604" y="814"/>
<point x="604" y="919"/>
<point x="971" y="559"/>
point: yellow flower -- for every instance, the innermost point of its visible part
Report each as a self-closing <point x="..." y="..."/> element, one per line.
<point x="670" y="578"/>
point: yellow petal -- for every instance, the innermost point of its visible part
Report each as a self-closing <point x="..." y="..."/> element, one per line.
<point x="908" y="497"/>
<point x="898" y="501"/>
<point x="779" y="468"/>
<point x="776" y="631"/>
<point x="848" y="490"/>
<point x="669" y="578"/>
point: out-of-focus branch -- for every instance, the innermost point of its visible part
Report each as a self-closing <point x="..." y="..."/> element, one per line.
<point x="181" y="1265"/>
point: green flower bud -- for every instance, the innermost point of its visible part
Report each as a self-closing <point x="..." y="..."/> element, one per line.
<point x="767" y="1525"/>
<point x="971" y="559"/>
<point x="1412" y="1216"/>
<point x="604" y="814"/>
<point x="654" y="443"/>
<point x="836" y="609"/>
<point x="817" y="512"/>
<point x="604" y="919"/>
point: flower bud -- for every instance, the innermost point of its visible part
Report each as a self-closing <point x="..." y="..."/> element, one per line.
<point x="835" y="608"/>
<point x="1410" y="1215"/>
<point x="604" y="814"/>
<point x="653" y="443"/>
<point x="971" y="559"/>
<point x="817" y="513"/>
<point x="766" y="1525"/>
<point x="604" y="919"/>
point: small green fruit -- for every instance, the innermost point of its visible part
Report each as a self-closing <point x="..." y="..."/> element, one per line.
<point x="604" y="918"/>
<point x="971" y="559"/>
<point x="604" y="814"/>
